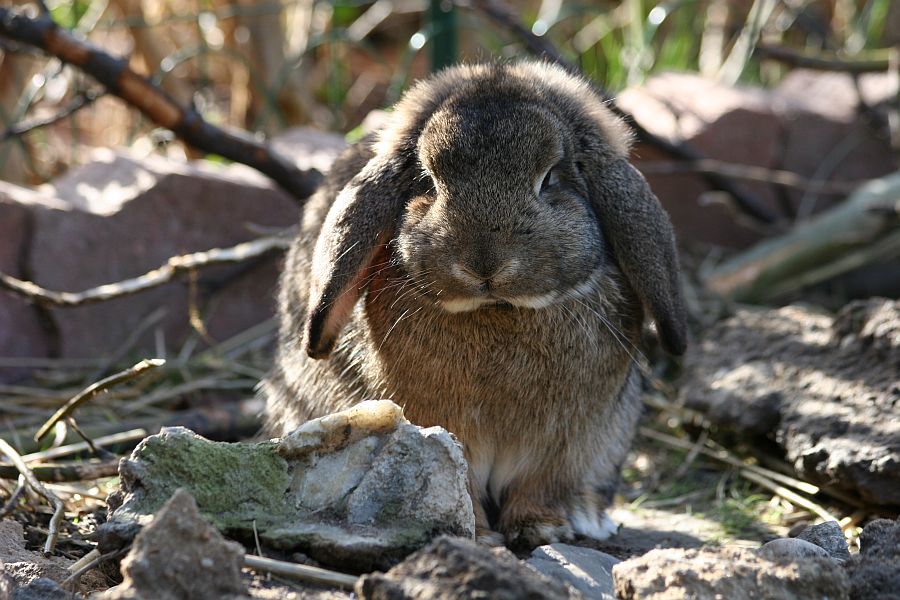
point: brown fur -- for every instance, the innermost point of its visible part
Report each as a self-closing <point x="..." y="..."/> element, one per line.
<point x="446" y="210"/>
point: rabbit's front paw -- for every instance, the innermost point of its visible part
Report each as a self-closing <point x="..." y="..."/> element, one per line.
<point x="529" y="534"/>
<point x="488" y="537"/>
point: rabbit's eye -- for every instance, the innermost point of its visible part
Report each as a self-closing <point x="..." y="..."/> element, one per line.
<point x="550" y="179"/>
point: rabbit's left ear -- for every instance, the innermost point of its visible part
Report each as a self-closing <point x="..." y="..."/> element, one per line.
<point x="357" y="228"/>
<point x="643" y="242"/>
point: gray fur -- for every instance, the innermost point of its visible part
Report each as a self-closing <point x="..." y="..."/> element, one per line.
<point x="445" y="210"/>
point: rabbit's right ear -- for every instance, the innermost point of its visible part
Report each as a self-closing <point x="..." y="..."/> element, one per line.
<point x="643" y="242"/>
<point x="359" y="225"/>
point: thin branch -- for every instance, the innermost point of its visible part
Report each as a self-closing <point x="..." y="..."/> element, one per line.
<point x="107" y="440"/>
<point x="14" y="498"/>
<point x="80" y="101"/>
<point x="64" y="473"/>
<point x="38" y="487"/>
<point x="154" y="278"/>
<point x="301" y="572"/>
<point x="138" y="91"/>
<point x="787" y="494"/>
<point x="786" y="179"/>
<point x="96" y="559"/>
<point x="94" y="389"/>
<point x="725" y="457"/>
<point x="501" y="15"/>
<point x="821" y="61"/>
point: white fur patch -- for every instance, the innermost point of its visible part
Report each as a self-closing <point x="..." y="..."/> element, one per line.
<point x="542" y="301"/>
<point x="459" y="305"/>
<point x="592" y="525"/>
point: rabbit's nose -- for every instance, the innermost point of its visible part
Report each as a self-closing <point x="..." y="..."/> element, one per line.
<point x="479" y="274"/>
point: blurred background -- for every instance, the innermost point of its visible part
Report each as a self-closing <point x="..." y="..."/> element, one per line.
<point x="268" y="65"/>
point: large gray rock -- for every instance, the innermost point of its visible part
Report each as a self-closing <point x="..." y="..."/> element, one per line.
<point x="359" y="489"/>
<point x="809" y="124"/>
<point x="875" y="572"/>
<point x="127" y="215"/>
<point x="732" y="573"/>
<point x="22" y="333"/>
<point x="826" y="389"/>
<point x="121" y="215"/>
<point x="588" y="571"/>
<point x="451" y="568"/>
<point x="180" y="556"/>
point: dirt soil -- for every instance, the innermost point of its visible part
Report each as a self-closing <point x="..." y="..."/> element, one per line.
<point x="825" y="390"/>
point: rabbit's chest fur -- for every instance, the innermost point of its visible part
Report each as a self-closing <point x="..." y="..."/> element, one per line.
<point x="514" y="384"/>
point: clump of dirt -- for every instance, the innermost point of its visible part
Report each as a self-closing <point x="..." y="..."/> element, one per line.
<point x="825" y="389"/>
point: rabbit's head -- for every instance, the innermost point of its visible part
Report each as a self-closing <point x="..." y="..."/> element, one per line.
<point x="498" y="184"/>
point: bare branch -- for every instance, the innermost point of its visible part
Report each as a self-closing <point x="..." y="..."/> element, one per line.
<point x="301" y="572"/>
<point x="154" y="278"/>
<point x="94" y="389"/>
<point x="821" y="61"/>
<point x="39" y="488"/>
<point x="500" y="14"/>
<point x="788" y="179"/>
<point x="62" y="473"/>
<point x="159" y="107"/>
<point x="80" y="101"/>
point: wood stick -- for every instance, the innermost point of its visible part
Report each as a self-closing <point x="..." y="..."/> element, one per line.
<point x="862" y="228"/>
<point x="823" y="61"/>
<point x="301" y="572"/>
<point x="94" y="389"/>
<point x="163" y="274"/>
<point x="38" y="487"/>
<point x="63" y="473"/>
<point x="724" y="456"/>
<point x="779" y="177"/>
<point x="106" y="440"/>
<point x="787" y="494"/>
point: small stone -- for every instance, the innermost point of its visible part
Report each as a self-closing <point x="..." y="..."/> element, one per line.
<point x="42" y="589"/>
<point x="588" y="571"/>
<point x="179" y="555"/>
<point x="451" y="568"/>
<point x="829" y="536"/>
<point x="727" y="573"/>
<point x="792" y="548"/>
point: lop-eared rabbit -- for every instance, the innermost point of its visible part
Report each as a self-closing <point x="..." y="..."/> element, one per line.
<point x="486" y="261"/>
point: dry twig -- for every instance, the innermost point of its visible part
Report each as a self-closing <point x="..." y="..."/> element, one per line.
<point x="154" y="278"/>
<point x="38" y="487"/>
<point x="115" y="74"/>
<point x="724" y="456"/>
<point x="106" y="440"/>
<point x="20" y="129"/>
<point x="787" y="494"/>
<point x="94" y="389"/>
<point x="821" y="61"/>
<point x="786" y="179"/>
<point x="83" y="566"/>
<point x="301" y="572"/>
<point x="64" y="473"/>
